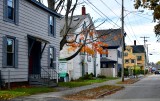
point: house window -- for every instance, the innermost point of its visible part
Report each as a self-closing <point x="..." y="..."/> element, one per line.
<point x="125" y="54"/>
<point x="52" y="57"/>
<point x="89" y="57"/>
<point x="126" y="61"/>
<point x="52" y="26"/>
<point x="11" y="11"/>
<point x="132" y="61"/>
<point x="10" y="4"/>
<point x="139" y="58"/>
<point x="129" y="50"/>
<point x="105" y="53"/>
<point x="104" y="65"/>
<point x="10" y="52"/>
<point x="119" y="54"/>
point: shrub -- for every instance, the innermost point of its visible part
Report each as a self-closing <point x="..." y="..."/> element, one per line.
<point x="126" y="73"/>
<point x="87" y="77"/>
<point x="119" y="73"/>
<point x="101" y="76"/>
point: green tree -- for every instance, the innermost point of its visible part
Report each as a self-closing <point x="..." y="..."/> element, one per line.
<point x="151" y="5"/>
<point x="158" y="63"/>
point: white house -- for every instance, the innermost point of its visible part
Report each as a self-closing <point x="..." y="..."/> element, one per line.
<point x="112" y="62"/>
<point x="81" y="64"/>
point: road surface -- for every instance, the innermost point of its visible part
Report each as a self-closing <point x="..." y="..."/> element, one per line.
<point x="147" y="89"/>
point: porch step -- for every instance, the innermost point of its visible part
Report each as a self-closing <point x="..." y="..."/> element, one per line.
<point x="42" y="82"/>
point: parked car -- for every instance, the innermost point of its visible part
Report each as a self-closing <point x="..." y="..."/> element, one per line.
<point x="156" y="72"/>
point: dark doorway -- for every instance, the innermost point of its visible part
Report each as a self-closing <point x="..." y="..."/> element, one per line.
<point x="34" y="55"/>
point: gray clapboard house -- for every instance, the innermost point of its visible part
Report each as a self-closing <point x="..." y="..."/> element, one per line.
<point x="111" y="63"/>
<point x="29" y="42"/>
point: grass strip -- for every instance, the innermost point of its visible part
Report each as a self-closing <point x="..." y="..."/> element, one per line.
<point x="17" y="92"/>
<point x="79" y="83"/>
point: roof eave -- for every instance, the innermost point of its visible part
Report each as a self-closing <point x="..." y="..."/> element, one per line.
<point x="45" y="8"/>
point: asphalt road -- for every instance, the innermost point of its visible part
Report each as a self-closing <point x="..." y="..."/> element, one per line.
<point x="147" y="89"/>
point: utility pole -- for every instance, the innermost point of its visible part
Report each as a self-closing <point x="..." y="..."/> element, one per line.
<point x="122" y="32"/>
<point x="147" y="52"/>
<point x="144" y="39"/>
<point x="146" y="49"/>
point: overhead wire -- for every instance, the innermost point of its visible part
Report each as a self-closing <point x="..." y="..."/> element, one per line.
<point x="134" y="35"/>
<point x="116" y="15"/>
<point x="110" y="10"/>
<point x="128" y="31"/>
<point x="103" y="14"/>
<point x="132" y="30"/>
<point x="117" y="2"/>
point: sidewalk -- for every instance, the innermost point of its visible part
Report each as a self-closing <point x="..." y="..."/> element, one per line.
<point x="55" y="96"/>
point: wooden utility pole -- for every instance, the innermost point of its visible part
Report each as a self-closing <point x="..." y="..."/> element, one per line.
<point x="144" y="39"/>
<point x="122" y="31"/>
<point x="146" y="49"/>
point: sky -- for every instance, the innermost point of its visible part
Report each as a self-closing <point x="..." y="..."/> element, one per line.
<point x="137" y="24"/>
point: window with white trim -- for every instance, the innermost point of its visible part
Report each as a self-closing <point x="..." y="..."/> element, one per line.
<point x="52" y="26"/>
<point x="52" y="57"/>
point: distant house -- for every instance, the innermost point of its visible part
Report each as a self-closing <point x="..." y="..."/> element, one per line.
<point x="83" y="63"/>
<point x="29" y="42"/>
<point x="130" y="60"/>
<point x="111" y="63"/>
<point x="140" y="53"/>
<point x="135" y="55"/>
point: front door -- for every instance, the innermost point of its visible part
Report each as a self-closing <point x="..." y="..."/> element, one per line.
<point x="34" y="56"/>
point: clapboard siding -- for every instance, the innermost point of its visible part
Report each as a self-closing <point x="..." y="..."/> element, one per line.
<point x="32" y="21"/>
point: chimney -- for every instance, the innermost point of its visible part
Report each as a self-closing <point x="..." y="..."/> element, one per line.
<point x="135" y="42"/>
<point x="83" y="10"/>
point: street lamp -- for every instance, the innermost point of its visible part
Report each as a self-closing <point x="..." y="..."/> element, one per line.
<point x="129" y="12"/>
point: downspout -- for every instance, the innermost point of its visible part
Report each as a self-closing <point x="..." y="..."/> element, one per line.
<point x="117" y="64"/>
<point x="95" y="66"/>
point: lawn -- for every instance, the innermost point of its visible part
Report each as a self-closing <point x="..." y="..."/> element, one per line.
<point x="79" y="83"/>
<point x="9" y="94"/>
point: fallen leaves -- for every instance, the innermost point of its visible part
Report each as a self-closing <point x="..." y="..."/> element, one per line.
<point x="129" y="81"/>
<point x="94" y="92"/>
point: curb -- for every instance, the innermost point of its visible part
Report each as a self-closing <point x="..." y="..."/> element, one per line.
<point x="109" y="92"/>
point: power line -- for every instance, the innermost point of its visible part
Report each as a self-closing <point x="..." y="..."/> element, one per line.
<point x="97" y="13"/>
<point x="102" y="13"/>
<point x="118" y="2"/>
<point x="129" y="32"/>
<point x="109" y="8"/>
<point x="133" y="31"/>
<point x="94" y="9"/>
